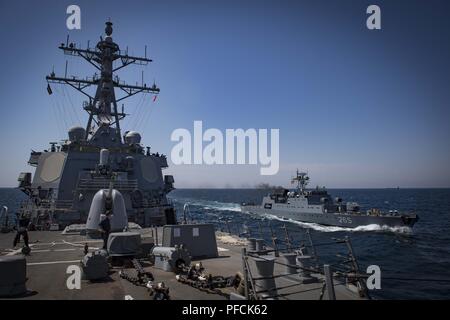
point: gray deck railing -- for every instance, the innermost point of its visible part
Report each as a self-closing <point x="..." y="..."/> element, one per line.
<point x="308" y="275"/>
<point x="274" y="253"/>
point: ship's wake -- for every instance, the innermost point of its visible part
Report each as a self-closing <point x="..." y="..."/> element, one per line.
<point x="209" y="204"/>
<point x="323" y="228"/>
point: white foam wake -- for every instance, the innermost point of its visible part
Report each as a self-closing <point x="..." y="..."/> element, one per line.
<point x="211" y="205"/>
<point x="229" y="206"/>
<point x="322" y="228"/>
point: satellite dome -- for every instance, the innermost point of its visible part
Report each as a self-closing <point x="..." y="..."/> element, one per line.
<point x="132" y="137"/>
<point x="76" y="133"/>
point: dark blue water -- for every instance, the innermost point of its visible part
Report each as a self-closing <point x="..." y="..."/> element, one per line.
<point x="423" y="253"/>
<point x="11" y="198"/>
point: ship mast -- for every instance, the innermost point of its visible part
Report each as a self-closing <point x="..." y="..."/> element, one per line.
<point x="302" y="179"/>
<point x="102" y="108"/>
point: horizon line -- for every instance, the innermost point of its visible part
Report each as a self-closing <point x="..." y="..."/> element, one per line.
<point x="255" y="188"/>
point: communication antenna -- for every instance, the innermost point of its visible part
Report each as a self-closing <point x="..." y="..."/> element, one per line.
<point x="102" y="107"/>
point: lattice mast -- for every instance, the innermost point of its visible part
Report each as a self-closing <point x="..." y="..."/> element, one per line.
<point x="301" y="178"/>
<point x="102" y="108"/>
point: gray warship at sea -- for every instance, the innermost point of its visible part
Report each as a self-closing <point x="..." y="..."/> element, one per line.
<point x="98" y="174"/>
<point x="68" y="175"/>
<point x="317" y="206"/>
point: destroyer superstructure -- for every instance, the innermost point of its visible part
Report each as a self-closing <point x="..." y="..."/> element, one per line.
<point x="317" y="206"/>
<point x="68" y="175"/>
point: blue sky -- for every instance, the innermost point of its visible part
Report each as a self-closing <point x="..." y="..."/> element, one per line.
<point x="356" y="108"/>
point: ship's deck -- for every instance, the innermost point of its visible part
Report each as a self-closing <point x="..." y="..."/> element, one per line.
<point x="52" y="252"/>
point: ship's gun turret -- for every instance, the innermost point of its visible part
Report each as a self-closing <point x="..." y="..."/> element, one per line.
<point x="107" y="200"/>
<point x="352" y="207"/>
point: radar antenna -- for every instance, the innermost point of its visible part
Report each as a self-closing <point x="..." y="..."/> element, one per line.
<point x="301" y="179"/>
<point x="102" y="107"/>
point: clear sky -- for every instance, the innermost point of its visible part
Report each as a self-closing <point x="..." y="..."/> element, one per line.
<point x="356" y="108"/>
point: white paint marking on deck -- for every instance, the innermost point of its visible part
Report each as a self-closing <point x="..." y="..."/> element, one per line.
<point x="75" y="244"/>
<point x="19" y="251"/>
<point x="54" y="250"/>
<point x="51" y="262"/>
<point x="222" y="249"/>
<point x="72" y="243"/>
<point x="78" y="243"/>
<point x="65" y="242"/>
<point x="14" y="252"/>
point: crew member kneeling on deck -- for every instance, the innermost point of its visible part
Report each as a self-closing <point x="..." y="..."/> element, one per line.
<point x="105" y="225"/>
<point x="22" y="230"/>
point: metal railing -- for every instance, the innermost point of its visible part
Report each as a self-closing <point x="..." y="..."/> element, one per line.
<point x="308" y="275"/>
<point x="276" y="252"/>
<point x="97" y="184"/>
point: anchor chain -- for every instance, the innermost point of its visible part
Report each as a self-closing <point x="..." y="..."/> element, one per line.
<point x="196" y="277"/>
<point x="145" y="279"/>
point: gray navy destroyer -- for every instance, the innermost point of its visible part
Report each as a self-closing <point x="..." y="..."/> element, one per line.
<point x="318" y="206"/>
<point x="68" y="174"/>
